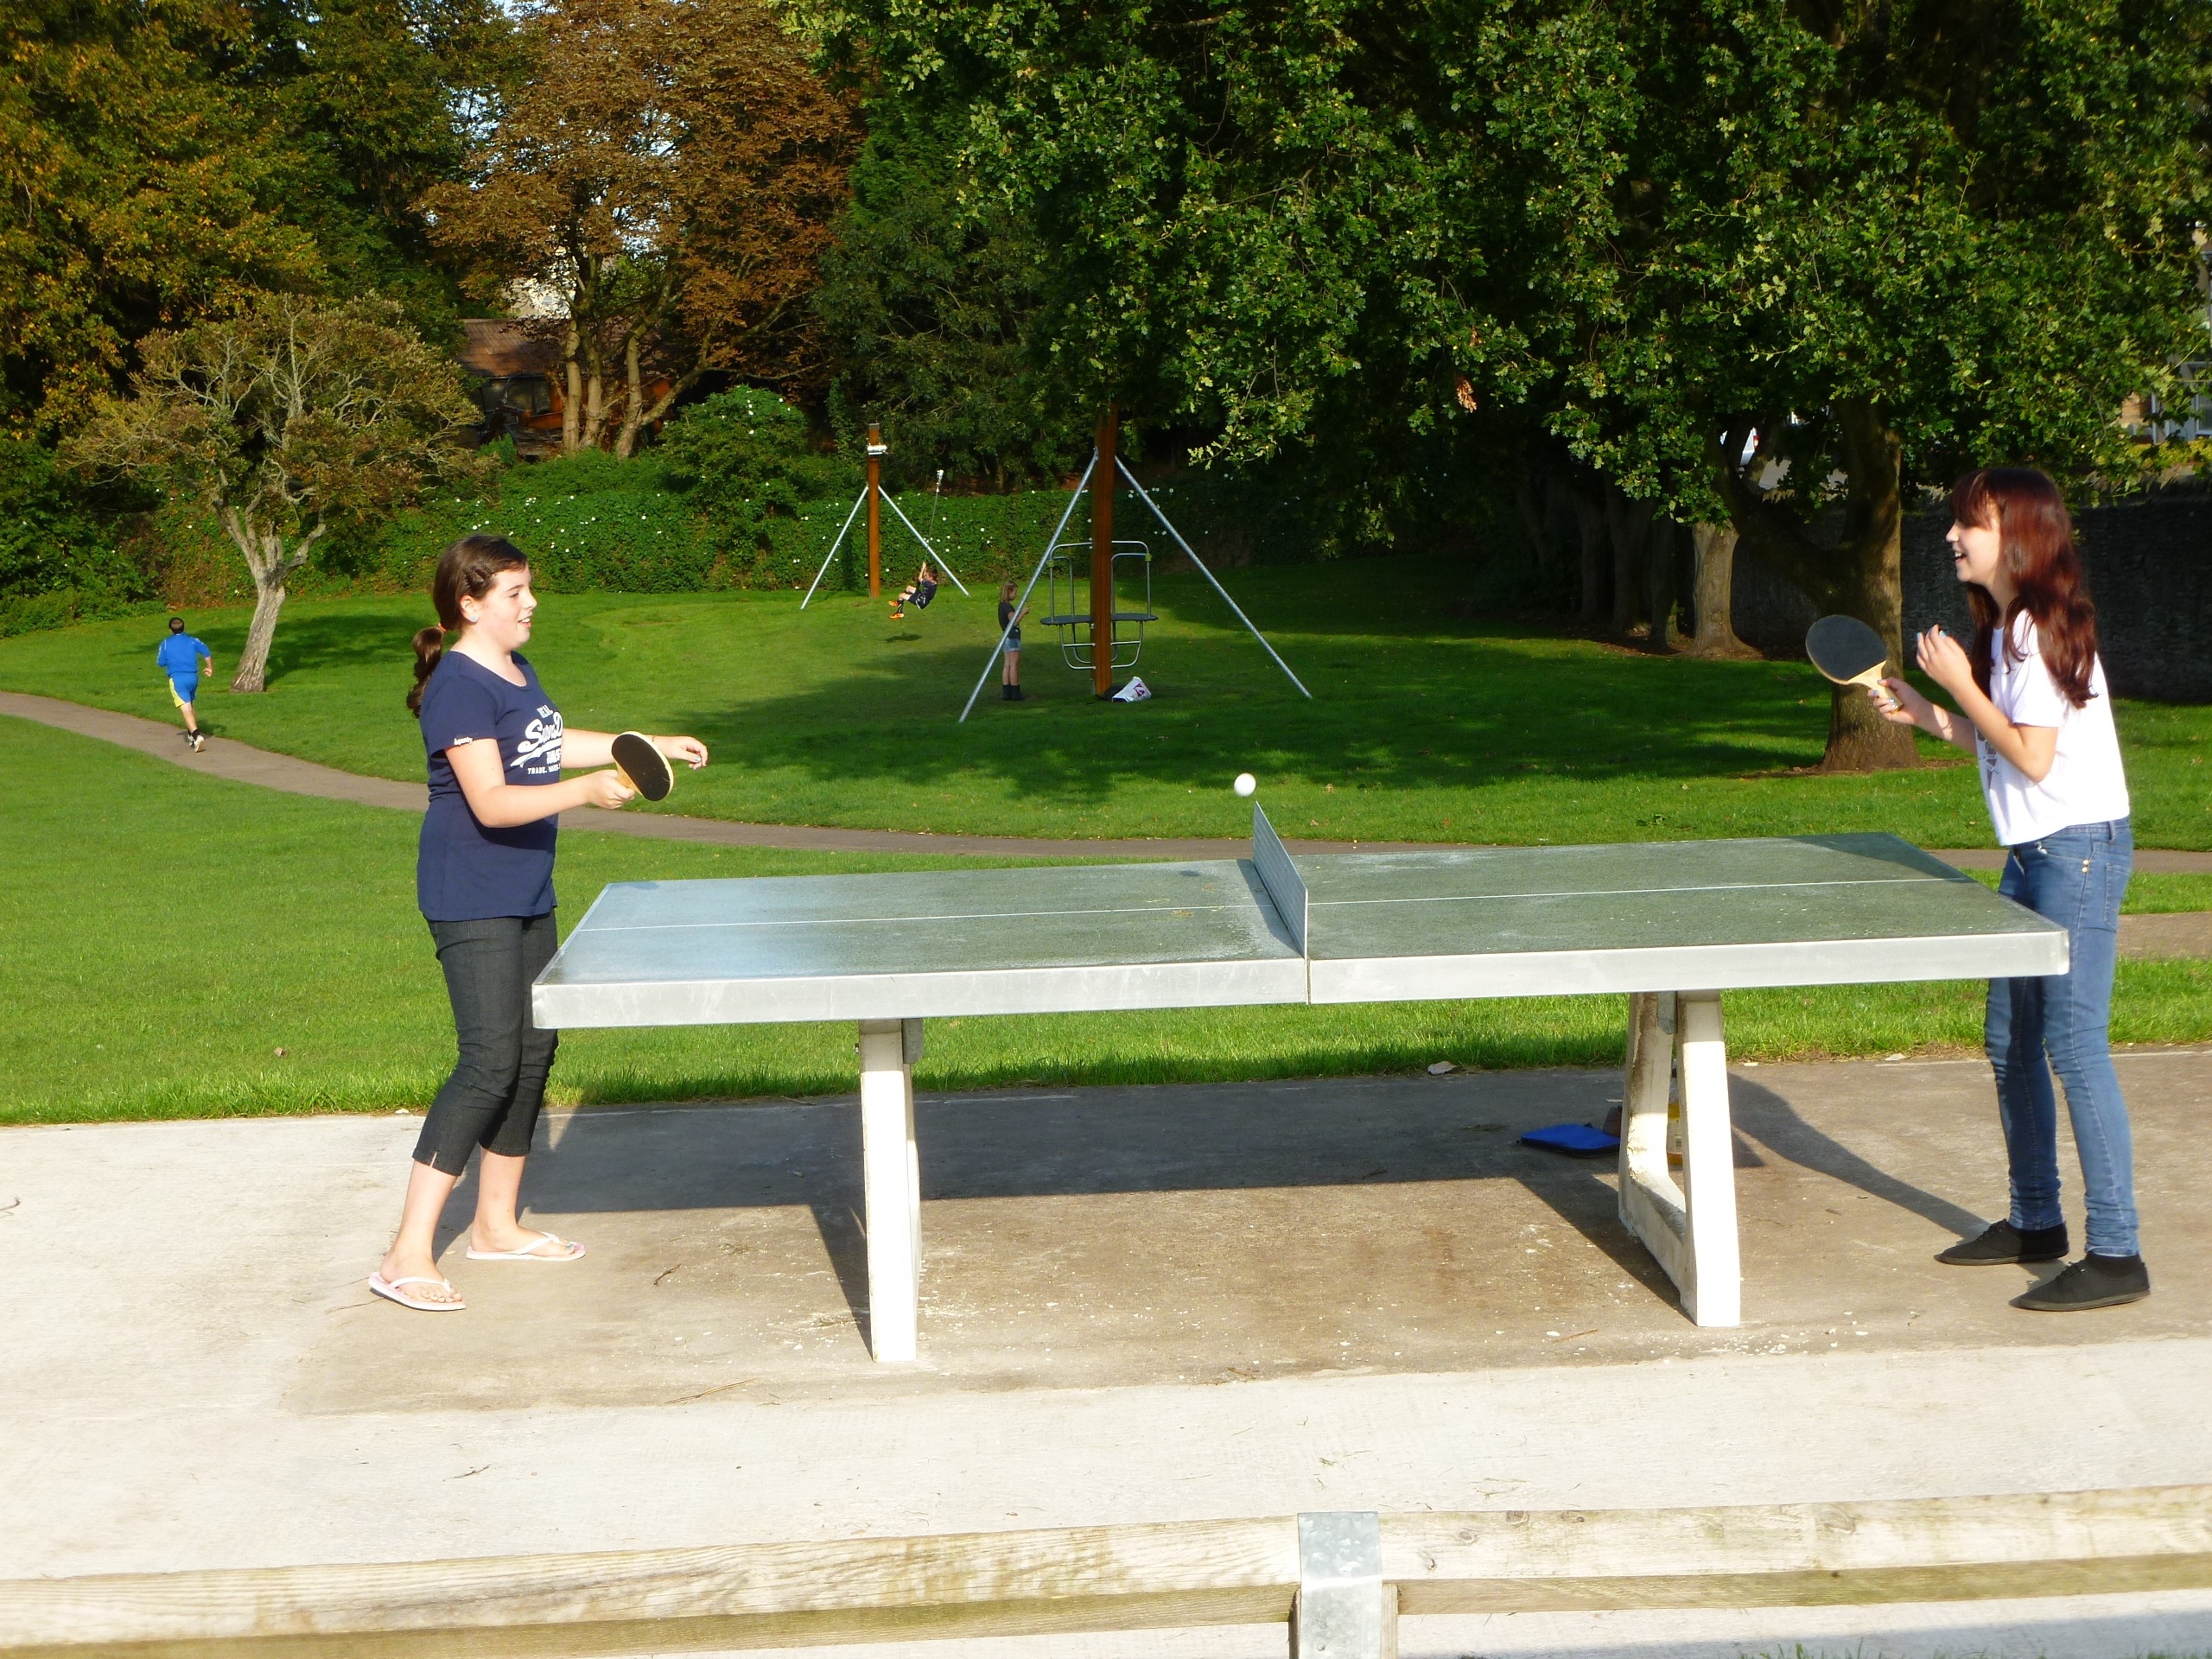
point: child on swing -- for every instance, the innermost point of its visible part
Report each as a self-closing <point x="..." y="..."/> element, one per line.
<point x="919" y="592"/>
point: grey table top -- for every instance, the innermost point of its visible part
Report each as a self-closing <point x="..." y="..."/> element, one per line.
<point x="1375" y="926"/>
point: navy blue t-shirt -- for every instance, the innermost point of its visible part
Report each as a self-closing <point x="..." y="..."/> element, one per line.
<point x="464" y="872"/>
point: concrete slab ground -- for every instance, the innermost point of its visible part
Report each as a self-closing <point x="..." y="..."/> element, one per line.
<point x="1138" y="1305"/>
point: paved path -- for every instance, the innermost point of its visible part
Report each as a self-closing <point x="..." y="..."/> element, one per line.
<point x="1140" y="1303"/>
<point x="241" y="762"/>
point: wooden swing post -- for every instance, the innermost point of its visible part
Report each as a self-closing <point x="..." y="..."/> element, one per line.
<point x="876" y="449"/>
<point x="1102" y="556"/>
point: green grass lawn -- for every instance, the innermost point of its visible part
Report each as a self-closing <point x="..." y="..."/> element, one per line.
<point x="162" y="934"/>
<point x="1421" y="727"/>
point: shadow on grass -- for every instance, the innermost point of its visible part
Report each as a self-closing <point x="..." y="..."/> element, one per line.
<point x="1513" y="718"/>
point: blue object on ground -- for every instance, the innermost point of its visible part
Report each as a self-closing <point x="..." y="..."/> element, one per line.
<point x="1576" y="1140"/>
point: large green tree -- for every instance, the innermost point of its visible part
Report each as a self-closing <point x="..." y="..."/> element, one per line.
<point x="139" y="191"/>
<point x="1864" y="240"/>
<point x="670" y="169"/>
<point x="928" y="302"/>
<point x="1343" y="230"/>
<point x="162" y="163"/>
<point x="1862" y="246"/>
<point x="282" y="423"/>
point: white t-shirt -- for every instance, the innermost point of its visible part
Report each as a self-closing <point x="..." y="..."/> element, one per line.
<point x="2085" y="784"/>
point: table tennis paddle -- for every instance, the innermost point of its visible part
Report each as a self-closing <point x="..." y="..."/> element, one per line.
<point x="644" y="767"/>
<point x="1850" y="653"/>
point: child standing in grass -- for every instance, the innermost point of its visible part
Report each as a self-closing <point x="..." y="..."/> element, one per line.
<point x="1010" y="625"/>
<point x="184" y="659"/>
<point x="496" y="746"/>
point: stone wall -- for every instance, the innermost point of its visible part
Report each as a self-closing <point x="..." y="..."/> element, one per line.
<point x="2149" y="568"/>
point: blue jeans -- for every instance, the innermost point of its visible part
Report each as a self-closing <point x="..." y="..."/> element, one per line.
<point x="2074" y="878"/>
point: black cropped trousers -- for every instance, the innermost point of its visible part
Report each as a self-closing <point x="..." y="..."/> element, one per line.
<point x="492" y="1100"/>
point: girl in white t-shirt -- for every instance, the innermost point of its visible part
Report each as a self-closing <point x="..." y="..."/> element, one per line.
<point x="2033" y="709"/>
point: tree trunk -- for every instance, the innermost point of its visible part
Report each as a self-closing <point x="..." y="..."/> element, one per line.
<point x="1712" y="585"/>
<point x="266" y="558"/>
<point x="633" y="400"/>
<point x="1590" y="520"/>
<point x="1659" y="583"/>
<point x="1871" y="557"/>
<point x="1529" y="497"/>
<point x="253" y="661"/>
<point x="1861" y="577"/>
<point x="595" y="404"/>
<point x="573" y="380"/>
<point x="1630" y="524"/>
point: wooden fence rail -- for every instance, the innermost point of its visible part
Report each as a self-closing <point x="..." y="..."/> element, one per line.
<point x="1123" y="1577"/>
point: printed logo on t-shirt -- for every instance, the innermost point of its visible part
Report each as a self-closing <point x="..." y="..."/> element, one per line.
<point x="538" y="753"/>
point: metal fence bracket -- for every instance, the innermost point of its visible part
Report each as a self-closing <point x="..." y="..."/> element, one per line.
<point x="1343" y="1609"/>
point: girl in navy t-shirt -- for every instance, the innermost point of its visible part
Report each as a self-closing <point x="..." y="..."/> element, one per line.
<point x="484" y="878"/>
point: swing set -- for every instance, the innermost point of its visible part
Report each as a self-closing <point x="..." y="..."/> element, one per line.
<point x="1082" y="602"/>
<point x="873" y="497"/>
<point x="1082" y="595"/>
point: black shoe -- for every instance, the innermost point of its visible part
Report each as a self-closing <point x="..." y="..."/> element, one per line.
<point x="2004" y="1243"/>
<point x="1014" y="694"/>
<point x="2093" y="1282"/>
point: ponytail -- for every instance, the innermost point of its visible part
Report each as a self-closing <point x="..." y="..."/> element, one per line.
<point x="429" y="647"/>
<point x="465" y="570"/>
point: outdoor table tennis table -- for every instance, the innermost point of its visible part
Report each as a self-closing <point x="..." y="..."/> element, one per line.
<point x="1673" y="924"/>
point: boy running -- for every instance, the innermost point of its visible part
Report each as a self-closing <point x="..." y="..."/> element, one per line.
<point x="182" y="658"/>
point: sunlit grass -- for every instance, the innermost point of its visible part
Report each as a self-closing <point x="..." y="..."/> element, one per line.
<point x="163" y="934"/>
<point x="1421" y="727"/>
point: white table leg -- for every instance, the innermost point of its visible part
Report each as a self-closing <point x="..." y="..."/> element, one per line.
<point x="1652" y="1204"/>
<point x="1715" y="1294"/>
<point x="893" y="1177"/>
<point x="1690" y="1228"/>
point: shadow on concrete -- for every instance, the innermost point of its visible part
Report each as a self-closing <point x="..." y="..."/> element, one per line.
<point x="1777" y="1125"/>
<point x="1324" y="1134"/>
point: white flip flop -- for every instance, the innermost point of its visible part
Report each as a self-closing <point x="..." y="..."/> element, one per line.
<point x="528" y="1251"/>
<point x="391" y="1290"/>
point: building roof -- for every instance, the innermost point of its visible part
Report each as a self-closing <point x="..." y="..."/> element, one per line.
<point x="504" y="346"/>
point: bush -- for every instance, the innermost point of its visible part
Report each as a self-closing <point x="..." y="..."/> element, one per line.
<point x="51" y="541"/>
<point x="587" y="521"/>
<point x="745" y="460"/>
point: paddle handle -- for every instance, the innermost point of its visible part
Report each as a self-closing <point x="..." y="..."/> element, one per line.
<point x="1872" y="679"/>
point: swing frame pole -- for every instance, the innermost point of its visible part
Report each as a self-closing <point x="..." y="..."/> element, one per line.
<point x="876" y="450"/>
<point x="1191" y="554"/>
<point x="834" y="546"/>
<point x="1014" y="620"/>
<point x="1102" y="554"/>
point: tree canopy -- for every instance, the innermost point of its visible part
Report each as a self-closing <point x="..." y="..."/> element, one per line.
<point x="164" y="163"/>
<point x="1868" y="238"/>
<point x="1872" y="247"/>
<point x="671" y="171"/>
<point x="283" y="421"/>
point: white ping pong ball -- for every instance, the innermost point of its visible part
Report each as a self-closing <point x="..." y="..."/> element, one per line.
<point x="1246" y="783"/>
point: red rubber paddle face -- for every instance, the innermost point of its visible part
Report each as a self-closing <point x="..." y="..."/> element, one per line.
<point x="645" y="767"/>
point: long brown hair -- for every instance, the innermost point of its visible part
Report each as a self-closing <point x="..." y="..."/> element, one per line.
<point x="465" y="570"/>
<point x="2038" y="551"/>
